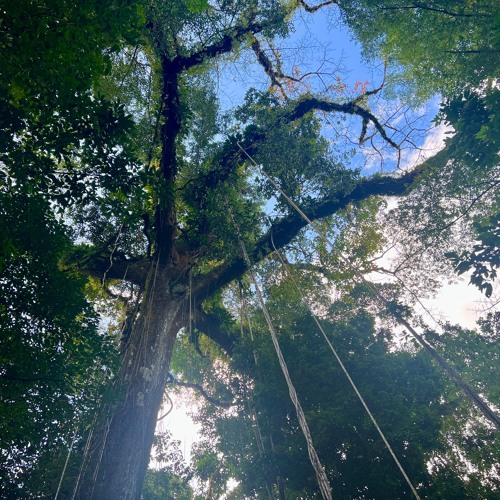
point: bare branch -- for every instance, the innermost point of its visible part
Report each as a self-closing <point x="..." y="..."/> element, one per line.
<point x="265" y="62"/>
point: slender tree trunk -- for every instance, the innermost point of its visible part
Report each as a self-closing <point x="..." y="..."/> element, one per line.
<point x="120" y="447"/>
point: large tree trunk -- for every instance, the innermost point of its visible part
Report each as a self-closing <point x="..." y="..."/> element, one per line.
<point x="120" y="450"/>
<point x="121" y="445"/>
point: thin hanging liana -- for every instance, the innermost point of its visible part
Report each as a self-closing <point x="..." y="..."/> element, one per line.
<point x="70" y="449"/>
<point x="348" y="376"/>
<point x="324" y="484"/>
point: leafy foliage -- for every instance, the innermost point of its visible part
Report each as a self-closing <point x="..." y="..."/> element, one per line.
<point x="456" y="193"/>
<point x="54" y="130"/>
<point x="483" y="259"/>
<point x="475" y="353"/>
<point x="411" y="34"/>
<point x="261" y="440"/>
<point x="53" y="359"/>
<point x="163" y="485"/>
<point x="170" y="481"/>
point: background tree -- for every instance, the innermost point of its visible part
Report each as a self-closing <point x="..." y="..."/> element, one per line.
<point x="258" y="440"/>
<point x="54" y="361"/>
<point x="54" y="130"/>
<point x="411" y="33"/>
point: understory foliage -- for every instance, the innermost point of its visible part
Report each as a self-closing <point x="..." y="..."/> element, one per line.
<point x="54" y="361"/>
<point x="251" y="433"/>
<point x="146" y="147"/>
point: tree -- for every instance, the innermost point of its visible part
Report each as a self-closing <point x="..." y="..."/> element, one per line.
<point x="470" y="445"/>
<point x="54" y="362"/>
<point x="55" y="130"/>
<point x="258" y="440"/>
<point x="157" y="200"/>
<point x="411" y="32"/>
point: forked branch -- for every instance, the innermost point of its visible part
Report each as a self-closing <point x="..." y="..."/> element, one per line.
<point x="308" y="104"/>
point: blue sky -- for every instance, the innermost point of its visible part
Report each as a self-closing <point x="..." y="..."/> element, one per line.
<point x="314" y="37"/>
<point x="322" y="46"/>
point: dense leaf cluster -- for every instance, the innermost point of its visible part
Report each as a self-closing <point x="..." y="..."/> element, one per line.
<point x="53" y="359"/>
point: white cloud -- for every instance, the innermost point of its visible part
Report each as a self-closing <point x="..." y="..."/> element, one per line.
<point x="433" y="143"/>
<point x="457" y="303"/>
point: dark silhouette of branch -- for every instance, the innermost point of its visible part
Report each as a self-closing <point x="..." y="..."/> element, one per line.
<point x="231" y="152"/>
<point x="134" y="270"/>
<point x="266" y="63"/>
<point x="222" y="46"/>
<point x="308" y="104"/>
<point x="211" y="326"/>
<point x="199" y="388"/>
<point x="314" y="8"/>
<point x="284" y="231"/>
<point x="418" y="5"/>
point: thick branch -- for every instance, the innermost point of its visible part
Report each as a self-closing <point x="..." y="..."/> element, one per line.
<point x="165" y="217"/>
<point x="172" y="120"/>
<point x="313" y="8"/>
<point x="265" y="62"/>
<point x="309" y="104"/>
<point x="121" y="268"/>
<point x="222" y="46"/>
<point x="232" y="152"/>
<point x="285" y="230"/>
<point x="211" y="326"/>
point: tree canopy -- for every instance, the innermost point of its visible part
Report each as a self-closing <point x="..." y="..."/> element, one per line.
<point x="137" y="199"/>
<point x="258" y="439"/>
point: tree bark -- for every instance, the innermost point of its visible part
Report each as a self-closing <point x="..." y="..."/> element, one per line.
<point x="119" y="450"/>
